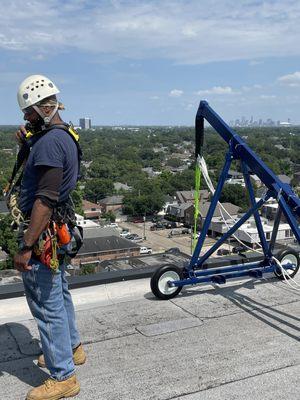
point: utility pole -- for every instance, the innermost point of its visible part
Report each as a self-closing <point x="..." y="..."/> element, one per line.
<point x="144" y="219"/>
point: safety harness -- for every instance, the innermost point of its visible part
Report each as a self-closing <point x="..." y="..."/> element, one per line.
<point x="62" y="226"/>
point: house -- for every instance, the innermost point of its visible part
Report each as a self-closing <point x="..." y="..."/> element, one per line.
<point x="111" y="203"/>
<point x="105" y="248"/>
<point x="91" y="210"/>
<point x="150" y="172"/>
<point x="169" y="200"/>
<point x="93" y="230"/>
<point x="99" y="231"/>
<point x="255" y="180"/>
<point x="231" y="211"/>
<point x="284" y="179"/>
<point x="269" y="211"/>
<point x="235" y="178"/>
<point x="181" y="211"/>
<point x="279" y="147"/>
<point x="85" y="223"/>
<point x="175" y="170"/>
<point x="188" y="196"/>
<point x="232" y="174"/>
<point x="122" y="186"/>
<point x="248" y="232"/>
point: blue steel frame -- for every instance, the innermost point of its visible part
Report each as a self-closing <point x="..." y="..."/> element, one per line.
<point x="288" y="201"/>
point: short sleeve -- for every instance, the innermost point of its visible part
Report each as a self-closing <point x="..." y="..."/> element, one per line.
<point x="49" y="152"/>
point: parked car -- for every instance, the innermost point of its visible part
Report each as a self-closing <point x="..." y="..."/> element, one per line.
<point x="185" y="231"/>
<point x="145" y="250"/>
<point x="239" y="249"/>
<point x="137" y="239"/>
<point x="157" y="226"/>
<point x="156" y="218"/>
<point x="132" y="236"/>
<point x="125" y="233"/>
<point x="170" y="224"/>
<point x="138" y="220"/>
<point x="179" y="231"/>
<point x="223" y="252"/>
<point x="113" y="225"/>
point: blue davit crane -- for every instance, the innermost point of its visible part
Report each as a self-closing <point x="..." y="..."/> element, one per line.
<point x="169" y="279"/>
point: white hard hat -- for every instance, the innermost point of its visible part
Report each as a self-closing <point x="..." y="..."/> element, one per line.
<point x="34" y="89"/>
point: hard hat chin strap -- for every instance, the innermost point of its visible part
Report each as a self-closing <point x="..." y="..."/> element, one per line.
<point x="47" y="119"/>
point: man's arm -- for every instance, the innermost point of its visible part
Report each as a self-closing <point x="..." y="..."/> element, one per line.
<point x="47" y="194"/>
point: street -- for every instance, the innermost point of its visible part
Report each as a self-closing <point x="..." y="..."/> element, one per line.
<point x="159" y="240"/>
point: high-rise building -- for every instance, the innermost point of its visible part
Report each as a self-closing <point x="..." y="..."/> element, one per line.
<point x="85" y="123"/>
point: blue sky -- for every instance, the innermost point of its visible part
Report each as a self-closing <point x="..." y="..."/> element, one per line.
<point x="151" y="62"/>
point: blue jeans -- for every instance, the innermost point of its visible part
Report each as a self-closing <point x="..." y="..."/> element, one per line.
<point x="50" y="303"/>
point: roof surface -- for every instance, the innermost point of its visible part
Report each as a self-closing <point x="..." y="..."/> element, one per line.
<point x="238" y="341"/>
<point x="105" y="243"/>
<point x="229" y="207"/>
<point x="99" y="231"/>
<point x="113" y="200"/>
<point x="87" y="205"/>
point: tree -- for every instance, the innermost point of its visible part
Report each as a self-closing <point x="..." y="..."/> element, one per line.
<point x="235" y="194"/>
<point x="147" y="199"/>
<point x="8" y="240"/>
<point x="77" y="200"/>
<point x="109" y="216"/>
<point x="174" y="162"/>
<point x="97" y="189"/>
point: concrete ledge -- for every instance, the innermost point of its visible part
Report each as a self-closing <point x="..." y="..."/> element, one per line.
<point x="100" y="278"/>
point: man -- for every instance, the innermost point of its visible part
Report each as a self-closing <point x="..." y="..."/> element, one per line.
<point x="49" y="175"/>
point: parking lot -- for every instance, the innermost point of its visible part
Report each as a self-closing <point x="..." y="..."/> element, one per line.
<point x="159" y="241"/>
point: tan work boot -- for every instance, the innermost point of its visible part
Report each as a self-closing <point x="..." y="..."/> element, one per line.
<point x="79" y="357"/>
<point x="52" y="389"/>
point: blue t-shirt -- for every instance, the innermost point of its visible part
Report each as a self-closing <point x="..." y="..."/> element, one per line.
<point x="55" y="149"/>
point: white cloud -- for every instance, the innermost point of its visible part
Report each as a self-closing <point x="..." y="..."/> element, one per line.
<point x="176" y="93"/>
<point x="154" y="97"/>
<point x="253" y="63"/>
<point x="250" y="88"/>
<point x="292" y="80"/>
<point x="267" y="96"/>
<point x="216" y="90"/>
<point x="190" y="32"/>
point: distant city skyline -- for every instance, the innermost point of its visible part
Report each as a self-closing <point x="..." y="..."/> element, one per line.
<point x="151" y="62"/>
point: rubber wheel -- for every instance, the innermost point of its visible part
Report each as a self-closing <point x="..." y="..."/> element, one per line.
<point x="161" y="277"/>
<point x="288" y="256"/>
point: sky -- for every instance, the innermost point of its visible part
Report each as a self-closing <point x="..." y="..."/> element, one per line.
<point x="149" y="62"/>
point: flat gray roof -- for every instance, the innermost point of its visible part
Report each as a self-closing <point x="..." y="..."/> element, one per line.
<point x="237" y="341"/>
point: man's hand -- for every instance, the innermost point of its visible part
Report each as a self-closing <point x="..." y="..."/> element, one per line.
<point x="21" y="134"/>
<point x="21" y="260"/>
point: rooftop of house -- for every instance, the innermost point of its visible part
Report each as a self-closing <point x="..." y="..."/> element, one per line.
<point x="122" y="186"/>
<point x="284" y="178"/>
<point x="189" y="195"/>
<point x="229" y="207"/>
<point x="88" y="205"/>
<point x="94" y="232"/>
<point x="106" y="243"/>
<point x="210" y="342"/>
<point x="112" y="200"/>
